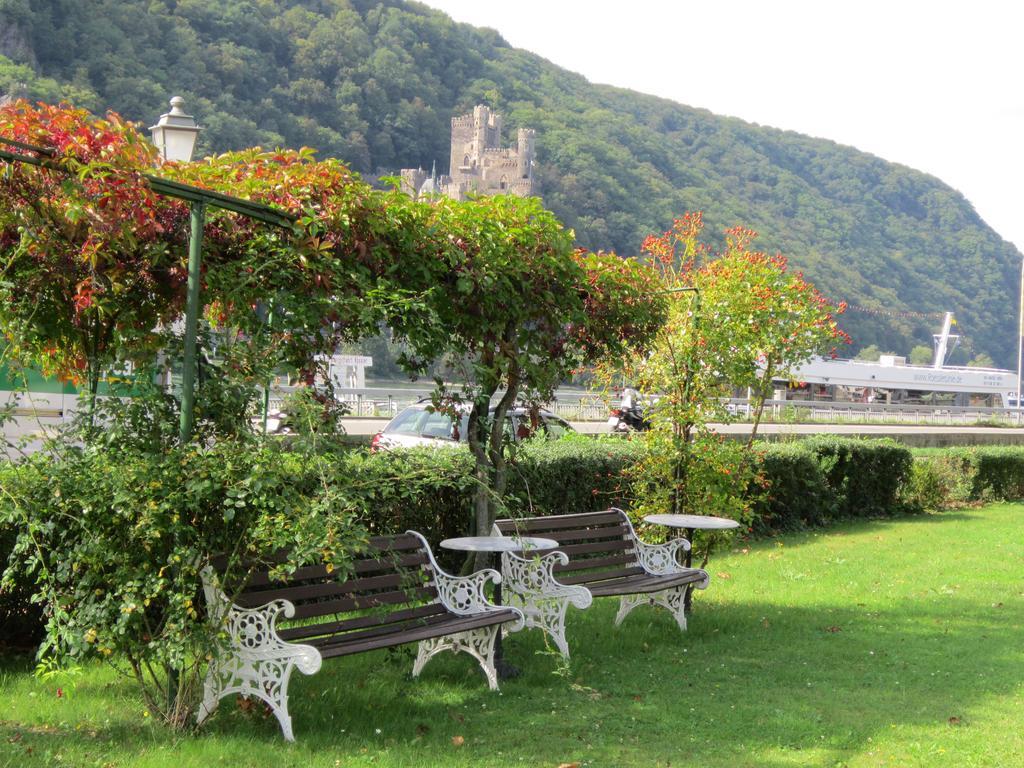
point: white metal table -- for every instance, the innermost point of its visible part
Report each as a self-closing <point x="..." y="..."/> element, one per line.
<point x="498" y="544"/>
<point x="690" y="523"/>
<point x="493" y="544"/>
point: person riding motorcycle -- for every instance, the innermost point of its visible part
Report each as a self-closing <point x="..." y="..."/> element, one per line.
<point x="630" y="416"/>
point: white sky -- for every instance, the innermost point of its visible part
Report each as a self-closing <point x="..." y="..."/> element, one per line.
<point x="934" y="84"/>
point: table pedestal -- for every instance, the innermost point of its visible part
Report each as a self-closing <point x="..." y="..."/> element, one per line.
<point x="688" y="562"/>
<point x="505" y="670"/>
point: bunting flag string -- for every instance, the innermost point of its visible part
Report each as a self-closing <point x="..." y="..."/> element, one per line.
<point x="894" y="313"/>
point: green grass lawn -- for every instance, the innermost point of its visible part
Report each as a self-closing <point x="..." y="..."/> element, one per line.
<point x="892" y="643"/>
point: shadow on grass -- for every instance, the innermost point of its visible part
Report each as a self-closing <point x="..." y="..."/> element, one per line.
<point x="747" y="682"/>
<point x="765" y="684"/>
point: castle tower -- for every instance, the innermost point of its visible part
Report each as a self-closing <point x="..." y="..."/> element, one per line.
<point x="478" y="163"/>
<point x="412" y="180"/>
<point x="481" y="114"/>
<point x="462" y="140"/>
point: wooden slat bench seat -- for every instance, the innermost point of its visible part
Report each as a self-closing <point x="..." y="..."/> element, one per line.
<point x="396" y="594"/>
<point x="599" y="555"/>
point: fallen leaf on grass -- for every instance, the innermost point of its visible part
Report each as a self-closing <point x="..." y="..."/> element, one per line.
<point x="568" y="765"/>
<point x="833" y="629"/>
<point x="954" y="720"/>
<point x="422" y="729"/>
<point x="724" y="575"/>
<point x="458" y="741"/>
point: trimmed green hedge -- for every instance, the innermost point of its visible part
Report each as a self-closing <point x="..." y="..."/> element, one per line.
<point x="429" y="490"/>
<point x="803" y="484"/>
<point x="957" y="476"/>
<point x="793" y="493"/>
<point x="823" y="479"/>
<point x="864" y="476"/>
<point x="809" y="483"/>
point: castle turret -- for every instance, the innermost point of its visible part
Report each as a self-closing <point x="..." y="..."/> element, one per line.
<point x="525" y="142"/>
<point x="481" y="118"/>
<point x="412" y="180"/>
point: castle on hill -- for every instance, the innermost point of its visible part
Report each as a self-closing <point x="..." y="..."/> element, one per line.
<point x="479" y="164"/>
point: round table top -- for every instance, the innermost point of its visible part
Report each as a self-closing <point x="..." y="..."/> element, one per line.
<point x="498" y="543"/>
<point x="706" y="522"/>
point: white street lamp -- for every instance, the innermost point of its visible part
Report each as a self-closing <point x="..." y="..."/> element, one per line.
<point x="1020" y="340"/>
<point x="175" y="133"/>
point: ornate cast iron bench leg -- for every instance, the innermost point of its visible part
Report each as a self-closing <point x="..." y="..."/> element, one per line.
<point x="531" y="586"/>
<point x="478" y="643"/>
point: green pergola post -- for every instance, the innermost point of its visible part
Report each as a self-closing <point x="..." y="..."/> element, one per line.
<point x="188" y="371"/>
<point x="198" y="198"/>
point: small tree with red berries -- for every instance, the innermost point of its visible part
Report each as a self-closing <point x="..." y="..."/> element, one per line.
<point x="737" y="318"/>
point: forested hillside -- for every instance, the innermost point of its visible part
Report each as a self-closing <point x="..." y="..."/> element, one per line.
<point x="375" y="82"/>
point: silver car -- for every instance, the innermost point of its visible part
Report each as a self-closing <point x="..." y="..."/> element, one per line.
<point x="421" y="424"/>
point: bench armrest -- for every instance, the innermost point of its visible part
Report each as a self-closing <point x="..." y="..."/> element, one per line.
<point x="658" y="559"/>
<point x="464" y="595"/>
<point x="252" y="632"/>
<point x="533" y="578"/>
<point x="661" y="559"/>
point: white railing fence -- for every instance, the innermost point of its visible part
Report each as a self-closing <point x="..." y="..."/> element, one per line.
<point x="385" y="404"/>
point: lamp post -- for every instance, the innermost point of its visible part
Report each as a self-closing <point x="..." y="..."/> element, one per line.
<point x="175" y="133"/>
<point x="175" y="136"/>
<point x="1020" y="338"/>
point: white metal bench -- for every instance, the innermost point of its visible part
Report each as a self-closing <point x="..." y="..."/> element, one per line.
<point x="599" y="555"/>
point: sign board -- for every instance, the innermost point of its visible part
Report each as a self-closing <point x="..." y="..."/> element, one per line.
<point x="356" y="360"/>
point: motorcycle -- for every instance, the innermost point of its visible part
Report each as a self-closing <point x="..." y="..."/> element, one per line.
<point x="630" y="416"/>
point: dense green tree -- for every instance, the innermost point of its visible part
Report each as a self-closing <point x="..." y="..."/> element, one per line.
<point x="921" y="355"/>
<point x="870" y="353"/>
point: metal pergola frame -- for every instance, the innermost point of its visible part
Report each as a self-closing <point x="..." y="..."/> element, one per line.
<point x="199" y="199"/>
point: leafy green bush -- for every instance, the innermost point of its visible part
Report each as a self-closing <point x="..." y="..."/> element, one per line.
<point x="928" y="488"/>
<point x="422" y="489"/>
<point x="574" y="474"/>
<point x="999" y="473"/>
<point x="987" y="473"/>
<point x="430" y="489"/>
<point x="115" y="542"/>
<point x="21" y="620"/>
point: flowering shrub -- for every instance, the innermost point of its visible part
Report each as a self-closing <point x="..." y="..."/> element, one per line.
<point x="94" y="262"/>
<point x="90" y="255"/>
<point x="518" y="310"/>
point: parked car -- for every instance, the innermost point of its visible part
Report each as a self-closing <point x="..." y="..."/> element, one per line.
<point x="420" y="424"/>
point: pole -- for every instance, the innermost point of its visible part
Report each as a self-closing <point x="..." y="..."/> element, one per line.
<point x="1020" y="336"/>
<point x="188" y="373"/>
<point x="266" y="391"/>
